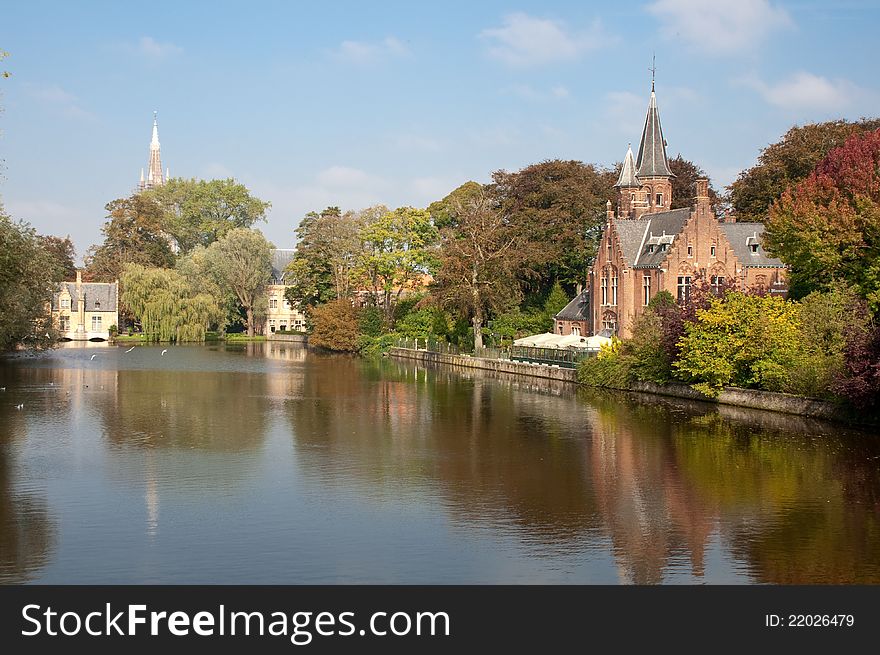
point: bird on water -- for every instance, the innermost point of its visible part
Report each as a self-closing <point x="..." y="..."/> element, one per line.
<point x="164" y="351"/>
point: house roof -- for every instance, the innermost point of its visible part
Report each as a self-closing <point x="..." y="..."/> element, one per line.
<point x="742" y="236"/>
<point x="652" y="148"/>
<point x="577" y="310"/>
<point x="99" y="296"/>
<point x="280" y="259"/>
<point x="637" y="235"/>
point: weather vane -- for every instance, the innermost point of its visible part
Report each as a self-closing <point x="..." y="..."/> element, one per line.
<point x="653" y="68"/>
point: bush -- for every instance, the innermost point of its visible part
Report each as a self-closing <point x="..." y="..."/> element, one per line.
<point x="375" y="346"/>
<point x="336" y="326"/>
<point x="859" y="381"/>
<point x="645" y="353"/>
<point x="371" y="322"/>
<point x="417" y="324"/>
<point x="607" y="369"/>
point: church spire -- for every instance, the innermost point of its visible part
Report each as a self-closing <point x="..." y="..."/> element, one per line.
<point x="652" y="160"/>
<point x="154" y="169"/>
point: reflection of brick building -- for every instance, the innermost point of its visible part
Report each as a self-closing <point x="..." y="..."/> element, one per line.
<point x="280" y="314"/>
<point x="647" y="248"/>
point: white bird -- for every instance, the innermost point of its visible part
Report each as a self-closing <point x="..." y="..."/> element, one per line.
<point x="19" y="406"/>
<point x="2" y="388"/>
<point x="92" y="357"/>
<point x="130" y="349"/>
<point x="164" y="351"/>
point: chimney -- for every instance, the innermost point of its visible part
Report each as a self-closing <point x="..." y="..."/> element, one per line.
<point x="609" y="213"/>
<point x="79" y="277"/>
<point x="702" y="199"/>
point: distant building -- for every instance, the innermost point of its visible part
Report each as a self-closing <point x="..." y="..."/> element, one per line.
<point x="281" y="316"/>
<point x="86" y="310"/>
<point x="647" y="248"/>
<point x="154" y="175"/>
<point x="574" y="318"/>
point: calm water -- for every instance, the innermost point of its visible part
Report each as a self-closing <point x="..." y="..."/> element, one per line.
<point x="267" y="463"/>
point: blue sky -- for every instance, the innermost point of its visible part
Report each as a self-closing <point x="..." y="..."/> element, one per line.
<point x="350" y="104"/>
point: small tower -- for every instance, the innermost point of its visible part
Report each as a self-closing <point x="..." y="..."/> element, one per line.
<point x="154" y="169"/>
<point x="652" y="167"/>
<point x="628" y="187"/>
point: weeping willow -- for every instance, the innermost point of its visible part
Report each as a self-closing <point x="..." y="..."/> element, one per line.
<point x="166" y="304"/>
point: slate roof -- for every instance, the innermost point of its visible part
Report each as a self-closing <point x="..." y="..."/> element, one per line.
<point x="99" y="296"/>
<point x="628" y="172"/>
<point x="658" y="229"/>
<point x="280" y="259"/>
<point x="577" y="310"/>
<point x="741" y="237"/>
<point x="652" y="148"/>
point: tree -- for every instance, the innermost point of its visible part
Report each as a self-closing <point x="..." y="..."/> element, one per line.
<point x="194" y="269"/>
<point x="28" y="278"/>
<point x="241" y="262"/>
<point x="480" y="256"/>
<point x="443" y="211"/>
<point x="335" y="326"/>
<point x="828" y="226"/>
<point x="684" y="184"/>
<point x="167" y="306"/>
<point x="198" y="212"/>
<point x="133" y="234"/>
<point x="556" y="301"/>
<point x="63" y="254"/>
<point x="859" y="382"/>
<point x="398" y="249"/>
<point x="787" y="162"/>
<point x="559" y="208"/>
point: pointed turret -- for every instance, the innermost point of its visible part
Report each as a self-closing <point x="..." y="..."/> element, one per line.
<point x="652" y="160"/>
<point x="628" y="177"/>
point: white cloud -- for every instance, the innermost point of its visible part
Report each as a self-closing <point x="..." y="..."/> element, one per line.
<point x="153" y="50"/>
<point x="370" y="52"/>
<point x="58" y="100"/>
<point x="524" y="40"/>
<point x="531" y="93"/>
<point x="719" y="26"/>
<point x="806" y="91"/>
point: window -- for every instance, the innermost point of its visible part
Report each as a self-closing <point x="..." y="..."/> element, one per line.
<point x="717" y="282"/>
<point x="605" y="289"/>
<point x="610" y="323"/>
<point x="684" y="288"/>
<point x="284" y="327"/>
<point x="64" y="323"/>
<point x="575" y="330"/>
<point x="659" y="199"/>
<point x="614" y="290"/>
<point x="753" y="247"/>
<point x="632" y="197"/>
<point x="560" y="327"/>
<point x="646" y="288"/>
<point x="96" y="323"/>
<point x="273" y="303"/>
<point x="97" y="304"/>
<point x="651" y="248"/>
<point x="690" y="251"/>
<point x="65" y="303"/>
<point x="272" y="325"/>
<point x="712" y="251"/>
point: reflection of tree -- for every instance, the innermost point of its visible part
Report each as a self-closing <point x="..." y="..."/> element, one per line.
<point x="490" y="449"/>
<point x="26" y="531"/>
<point x="206" y="410"/>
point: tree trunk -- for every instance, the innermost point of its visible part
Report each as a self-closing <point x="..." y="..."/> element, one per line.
<point x="250" y="321"/>
<point x="478" y="310"/>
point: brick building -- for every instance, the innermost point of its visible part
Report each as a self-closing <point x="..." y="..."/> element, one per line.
<point x="647" y="248"/>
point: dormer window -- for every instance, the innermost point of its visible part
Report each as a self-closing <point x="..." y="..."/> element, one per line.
<point x="65" y="303"/>
<point x="651" y="248"/>
<point x="753" y="247"/>
<point x="97" y="304"/>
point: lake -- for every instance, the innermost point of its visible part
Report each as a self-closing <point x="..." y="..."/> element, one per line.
<point x="271" y="463"/>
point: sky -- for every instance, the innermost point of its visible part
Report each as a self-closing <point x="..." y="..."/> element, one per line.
<point x="312" y="104"/>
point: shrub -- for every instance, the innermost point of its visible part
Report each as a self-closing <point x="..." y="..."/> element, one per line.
<point x="336" y="326"/>
<point x="859" y="381"/>
<point x="645" y="353"/>
<point x="417" y="324"/>
<point x="607" y="369"/>
<point x="371" y="321"/>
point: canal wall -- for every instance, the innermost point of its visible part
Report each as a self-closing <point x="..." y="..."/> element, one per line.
<point x="734" y="396"/>
<point x="293" y="338"/>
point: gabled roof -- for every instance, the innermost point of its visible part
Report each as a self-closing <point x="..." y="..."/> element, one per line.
<point x="281" y="257"/>
<point x="628" y="176"/>
<point x="652" y="148"/>
<point x="660" y="229"/>
<point x="99" y="296"/>
<point x="741" y="237"/>
<point x="577" y="310"/>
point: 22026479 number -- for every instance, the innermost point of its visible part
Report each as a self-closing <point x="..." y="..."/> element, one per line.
<point x="809" y="621"/>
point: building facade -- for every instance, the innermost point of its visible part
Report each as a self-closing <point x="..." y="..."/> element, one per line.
<point x="83" y="311"/>
<point x="647" y="248"/>
<point x="281" y="316"/>
<point x="575" y="318"/>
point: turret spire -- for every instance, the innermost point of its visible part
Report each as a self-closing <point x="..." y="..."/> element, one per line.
<point x="628" y="177"/>
<point x="652" y="160"/>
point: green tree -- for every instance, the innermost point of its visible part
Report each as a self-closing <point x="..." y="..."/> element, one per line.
<point x="556" y="300"/>
<point x="194" y="267"/>
<point x="742" y="340"/>
<point x="240" y="261"/>
<point x="398" y="250"/>
<point x="28" y="278"/>
<point x="787" y="162"/>
<point x="63" y="253"/>
<point x="559" y="209"/>
<point x="168" y="308"/>
<point x="479" y="258"/>
<point x="198" y="212"/>
<point x="443" y="212"/>
<point x="684" y="184"/>
<point x="132" y="235"/>
<point x="828" y="226"/>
